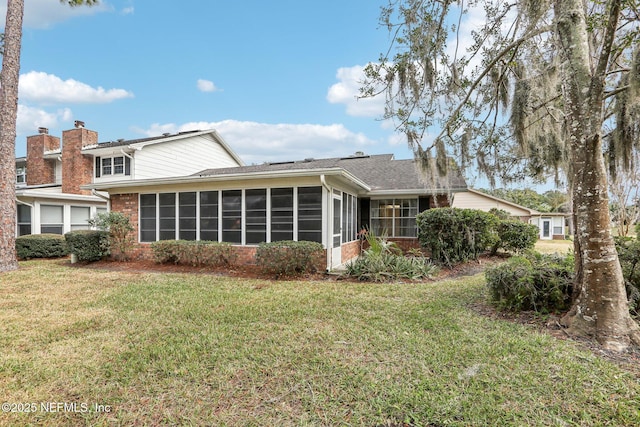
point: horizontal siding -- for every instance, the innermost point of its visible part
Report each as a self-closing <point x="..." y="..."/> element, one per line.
<point x="468" y="200"/>
<point x="180" y="158"/>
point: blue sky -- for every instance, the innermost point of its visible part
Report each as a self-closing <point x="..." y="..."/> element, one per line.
<point x="277" y="79"/>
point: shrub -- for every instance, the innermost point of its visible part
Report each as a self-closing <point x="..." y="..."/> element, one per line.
<point x="537" y="282"/>
<point x="41" y="246"/>
<point x="88" y="245"/>
<point x="192" y="252"/>
<point x="456" y="235"/>
<point x="515" y="236"/>
<point x="119" y="227"/>
<point x="629" y="256"/>
<point x="384" y="261"/>
<point x="288" y="257"/>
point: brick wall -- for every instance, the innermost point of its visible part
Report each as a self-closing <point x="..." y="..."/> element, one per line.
<point x="39" y="170"/>
<point x="350" y="250"/>
<point x="77" y="169"/>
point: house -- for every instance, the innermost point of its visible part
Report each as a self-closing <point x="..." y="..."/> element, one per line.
<point x="192" y="186"/>
<point x="550" y="224"/>
<point x="48" y="194"/>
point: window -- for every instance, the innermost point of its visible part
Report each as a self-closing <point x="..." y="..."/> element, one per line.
<point x="51" y="219"/>
<point x="209" y="215"/>
<point x="187" y="211"/>
<point x="167" y="216"/>
<point x="232" y="216"/>
<point x="281" y="214"/>
<point x="106" y="166"/>
<point x="147" y="217"/>
<point x="21" y="176"/>
<point x="118" y="165"/>
<point x="394" y="217"/>
<point x="310" y="214"/>
<point x="24" y="220"/>
<point x="349" y="204"/>
<point x="80" y="218"/>
<point x="256" y="216"/>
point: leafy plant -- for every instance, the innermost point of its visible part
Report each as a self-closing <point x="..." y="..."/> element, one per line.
<point x="88" y="245"/>
<point x="629" y="255"/>
<point x="535" y="281"/>
<point x="119" y="227"/>
<point x="383" y="261"/>
<point x="41" y="246"/>
<point x="191" y="252"/>
<point x="288" y="257"/>
<point x="456" y="235"/>
<point x="515" y="236"/>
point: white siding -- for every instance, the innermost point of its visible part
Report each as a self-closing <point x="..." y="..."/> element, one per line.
<point x="469" y="200"/>
<point x="180" y="158"/>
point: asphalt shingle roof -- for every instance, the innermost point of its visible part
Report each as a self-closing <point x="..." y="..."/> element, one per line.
<point x="380" y="172"/>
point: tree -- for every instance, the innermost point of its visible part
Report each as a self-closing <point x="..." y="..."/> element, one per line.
<point x="8" y="114"/>
<point x="530" y="96"/>
<point x="624" y="188"/>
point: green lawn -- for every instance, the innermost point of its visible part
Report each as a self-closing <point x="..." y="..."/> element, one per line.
<point x="176" y="349"/>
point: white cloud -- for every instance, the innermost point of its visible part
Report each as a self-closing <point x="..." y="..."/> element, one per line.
<point x="127" y="11"/>
<point x="347" y="90"/>
<point x="206" y="86"/>
<point x="46" y="13"/>
<point x="30" y="119"/>
<point x="49" y="89"/>
<point x="262" y="142"/>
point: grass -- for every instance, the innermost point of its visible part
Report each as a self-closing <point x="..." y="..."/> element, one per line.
<point x="176" y="349"/>
<point x="554" y="246"/>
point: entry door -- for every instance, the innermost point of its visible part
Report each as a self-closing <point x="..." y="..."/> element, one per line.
<point x="546" y="228"/>
<point x="336" y="250"/>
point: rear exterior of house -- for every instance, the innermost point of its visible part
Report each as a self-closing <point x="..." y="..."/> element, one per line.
<point x="323" y="200"/>
<point x="192" y="186"/>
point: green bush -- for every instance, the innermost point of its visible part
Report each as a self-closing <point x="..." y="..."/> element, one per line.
<point x="515" y="236"/>
<point x="120" y="232"/>
<point x="41" y="246"/>
<point x="88" y="245"/>
<point x="629" y="256"/>
<point x="384" y="261"/>
<point x="537" y="282"/>
<point x="193" y="252"/>
<point x="288" y="257"/>
<point x="456" y="235"/>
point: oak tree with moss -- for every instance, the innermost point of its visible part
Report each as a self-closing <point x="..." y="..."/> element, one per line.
<point x="8" y="114"/>
<point x="531" y="95"/>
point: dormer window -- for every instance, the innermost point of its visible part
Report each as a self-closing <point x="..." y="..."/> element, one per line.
<point x="117" y="165"/>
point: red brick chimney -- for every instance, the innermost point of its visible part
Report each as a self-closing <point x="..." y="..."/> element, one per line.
<point x="40" y="170"/>
<point x="77" y="169"/>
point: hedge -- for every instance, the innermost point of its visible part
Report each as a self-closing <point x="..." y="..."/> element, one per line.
<point x="193" y="252"/>
<point x="41" y="246"/>
<point x="288" y="257"/>
<point x="88" y="245"/>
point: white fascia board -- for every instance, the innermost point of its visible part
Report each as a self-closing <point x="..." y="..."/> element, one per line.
<point x="413" y="192"/>
<point x="58" y="196"/>
<point x="229" y="177"/>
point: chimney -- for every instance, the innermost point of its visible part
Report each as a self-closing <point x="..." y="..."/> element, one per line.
<point x="77" y="168"/>
<point x="40" y="170"/>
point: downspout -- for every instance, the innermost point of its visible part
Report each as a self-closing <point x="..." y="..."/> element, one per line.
<point x="94" y="192"/>
<point x="328" y="237"/>
<point x="126" y="154"/>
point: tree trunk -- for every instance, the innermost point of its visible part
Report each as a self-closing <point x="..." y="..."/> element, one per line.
<point x="8" y="113"/>
<point x="600" y="308"/>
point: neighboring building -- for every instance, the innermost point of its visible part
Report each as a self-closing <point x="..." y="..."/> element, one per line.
<point x="550" y="224"/>
<point x="192" y="186"/>
<point x="48" y="194"/>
